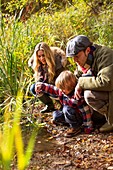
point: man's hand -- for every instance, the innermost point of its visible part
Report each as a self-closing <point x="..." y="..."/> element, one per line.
<point x="78" y="91"/>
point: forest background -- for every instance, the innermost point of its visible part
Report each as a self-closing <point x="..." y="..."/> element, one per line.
<point x="24" y="23"/>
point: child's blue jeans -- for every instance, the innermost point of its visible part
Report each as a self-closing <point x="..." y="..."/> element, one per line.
<point x="68" y="115"/>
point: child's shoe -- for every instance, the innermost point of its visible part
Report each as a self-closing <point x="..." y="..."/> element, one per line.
<point x="73" y="131"/>
<point x="55" y="122"/>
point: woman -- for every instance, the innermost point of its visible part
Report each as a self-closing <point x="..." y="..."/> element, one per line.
<point x="47" y="63"/>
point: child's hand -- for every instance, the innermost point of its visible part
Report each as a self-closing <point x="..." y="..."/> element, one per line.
<point x="38" y="87"/>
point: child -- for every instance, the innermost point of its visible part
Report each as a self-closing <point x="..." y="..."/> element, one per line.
<point x="74" y="112"/>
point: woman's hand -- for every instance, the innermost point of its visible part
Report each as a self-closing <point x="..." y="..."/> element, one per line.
<point x="78" y="91"/>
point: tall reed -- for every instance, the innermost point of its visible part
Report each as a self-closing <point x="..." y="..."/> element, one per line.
<point x="11" y="140"/>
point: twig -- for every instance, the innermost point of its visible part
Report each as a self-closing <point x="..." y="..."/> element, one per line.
<point x="33" y="106"/>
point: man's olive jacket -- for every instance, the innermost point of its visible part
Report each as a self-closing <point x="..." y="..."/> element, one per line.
<point x="103" y="81"/>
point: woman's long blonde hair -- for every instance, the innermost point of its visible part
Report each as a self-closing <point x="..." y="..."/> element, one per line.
<point x="50" y="60"/>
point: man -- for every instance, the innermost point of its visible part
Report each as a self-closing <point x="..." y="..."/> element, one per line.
<point x="98" y="89"/>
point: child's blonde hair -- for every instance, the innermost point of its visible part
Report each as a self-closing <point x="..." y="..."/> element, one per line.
<point x="66" y="80"/>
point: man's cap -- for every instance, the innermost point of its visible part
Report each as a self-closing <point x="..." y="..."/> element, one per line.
<point x="77" y="44"/>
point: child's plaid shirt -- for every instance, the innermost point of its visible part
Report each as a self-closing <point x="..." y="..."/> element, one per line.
<point x="79" y="105"/>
